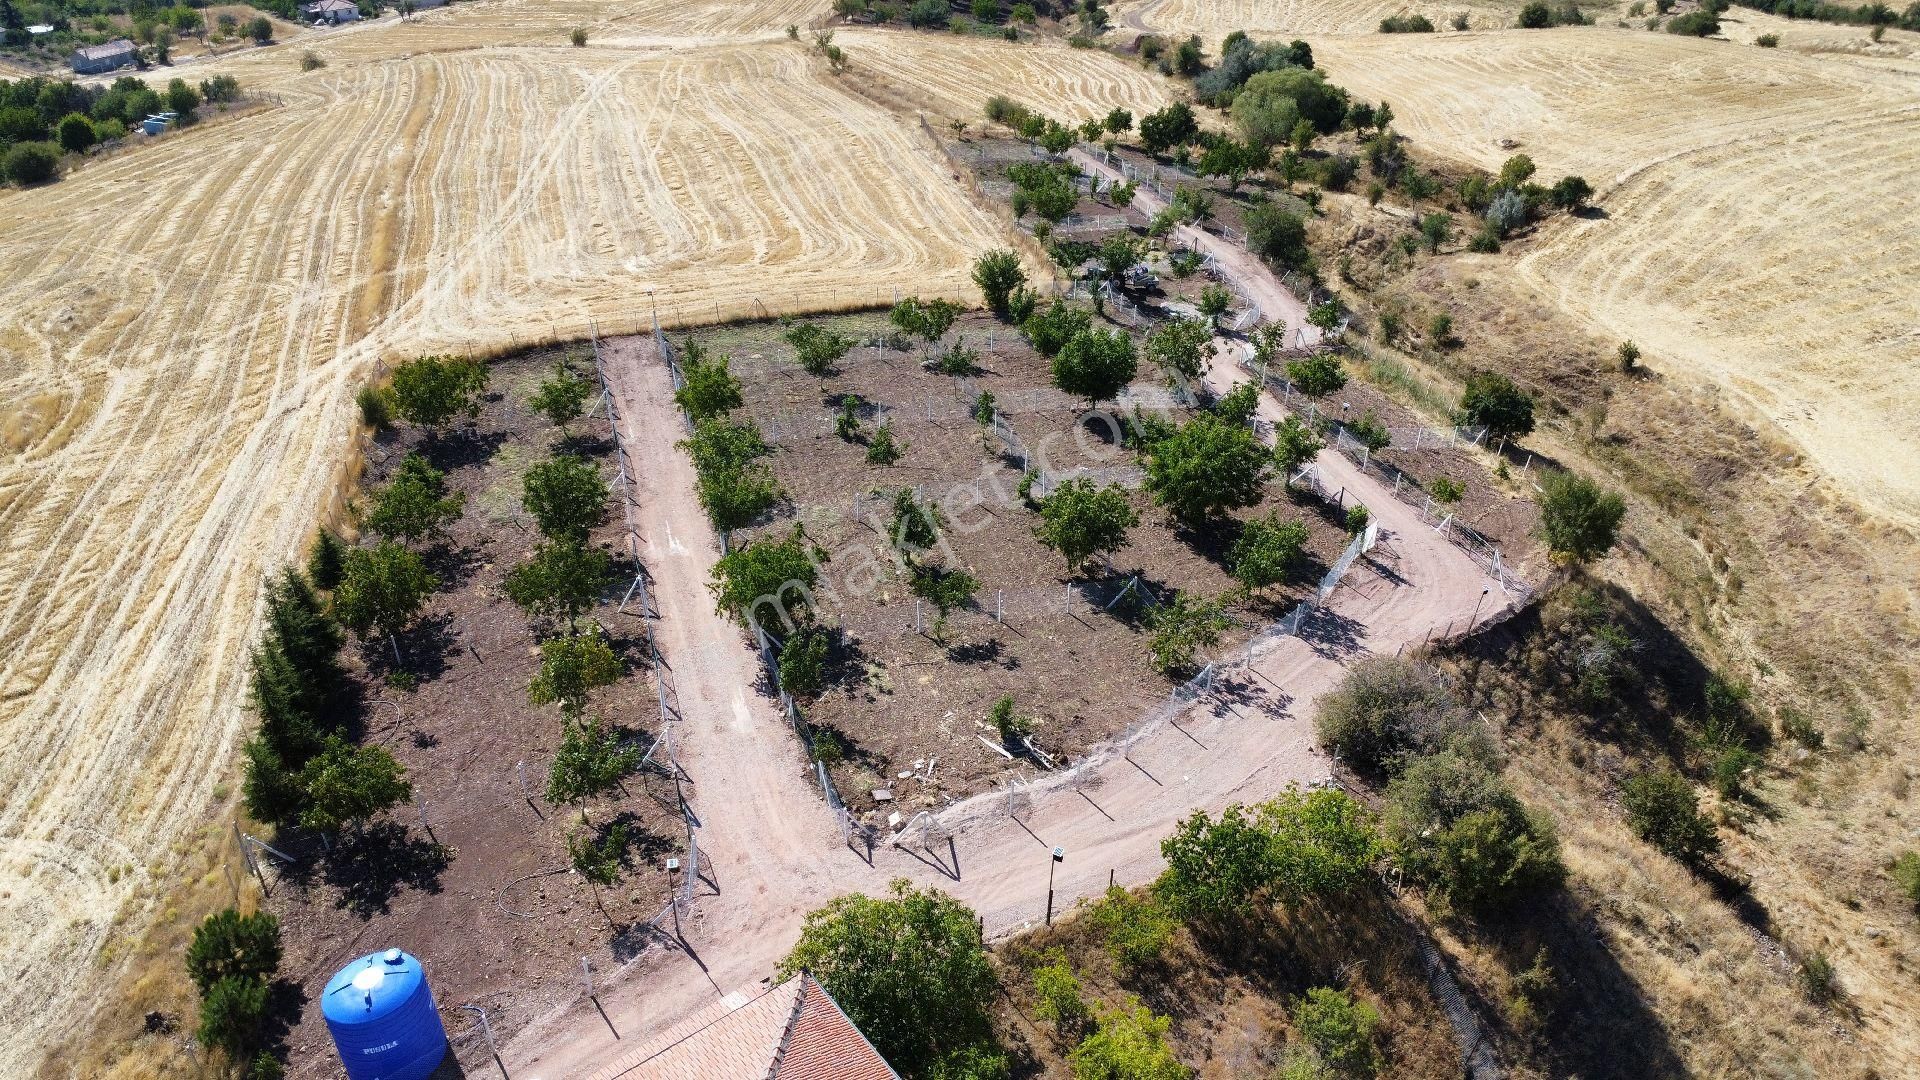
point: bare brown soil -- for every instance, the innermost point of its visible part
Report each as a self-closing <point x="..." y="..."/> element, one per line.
<point x="906" y="697"/>
<point x="489" y="860"/>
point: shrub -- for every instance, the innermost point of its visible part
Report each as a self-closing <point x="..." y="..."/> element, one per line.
<point x="1663" y="810"/>
<point x="1385" y="710"/>
<point x="1130" y="1043"/>
<point x="908" y="969"/>
<point x="29" y="163"/>
<point x="376" y="407"/>
<point x="1578" y="517"/>
<point x="1406" y="24"/>
<point x="1906" y="874"/>
<point x="1768" y="41"/>
<point x="563" y="397"/>
<point x="231" y="1013"/>
<point x="1817" y="979"/>
<point x="1695" y="24"/>
<point x="1180" y="630"/>
<point x="927" y="14"/>
<point x="1454" y="826"/>
<point x="1629" y="357"/>
<point x="998" y="274"/>
<point x="1356" y="519"/>
<point x="1340" y="1029"/>
<point x="1494" y="402"/>
<point x="1505" y="213"/>
<point x="1057" y="996"/>
<point x="1536" y="16"/>
<point x="1136" y="929"/>
<point x="591" y="760"/>
<point x="883" y="448"/>
<point x="311" y="61"/>
<point x="1214" y="868"/>
<point x="231" y="945"/>
<point x="1446" y="490"/>
<point x="1318" y="375"/>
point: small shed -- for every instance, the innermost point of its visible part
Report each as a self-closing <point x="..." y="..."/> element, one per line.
<point x="94" y="59"/>
<point x="332" y="11"/>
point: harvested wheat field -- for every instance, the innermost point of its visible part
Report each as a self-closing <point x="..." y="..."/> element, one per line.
<point x="184" y="327"/>
<point x="953" y="77"/>
<point x="1215" y="19"/>
<point x="1752" y="236"/>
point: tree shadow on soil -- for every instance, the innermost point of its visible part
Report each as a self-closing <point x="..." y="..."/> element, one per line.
<point x="371" y="867"/>
<point x="461" y="448"/>
<point x="425" y="650"/>
<point x="1331" y="634"/>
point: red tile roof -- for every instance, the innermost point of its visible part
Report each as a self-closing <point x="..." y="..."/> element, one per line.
<point x="792" y="1031"/>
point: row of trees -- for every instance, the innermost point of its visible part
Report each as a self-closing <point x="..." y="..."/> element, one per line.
<point x="233" y="961"/>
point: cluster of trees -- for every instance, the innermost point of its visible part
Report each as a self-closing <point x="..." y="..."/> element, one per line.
<point x="1538" y="15"/>
<point x="41" y="119"/>
<point x="232" y="961"/>
<point x="300" y="767"/>
<point x="1050" y="134"/>
<point x="1510" y="199"/>
<point x="1876" y="14"/>
<point x="939" y="14"/>
<point x="734" y="487"/>
<point x="1451" y="823"/>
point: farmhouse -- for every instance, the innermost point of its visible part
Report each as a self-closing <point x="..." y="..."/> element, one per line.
<point x="94" y="59"/>
<point x="332" y="11"/>
<point x="793" y="1031"/>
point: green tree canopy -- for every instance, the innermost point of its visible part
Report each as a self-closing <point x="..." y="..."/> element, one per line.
<point x="433" y="390"/>
<point x="1580" y="519"/>
<point x="1324" y="843"/>
<point x="592" y="760"/>
<point x="562" y="580"/>
<point x="1181" y="348"/>
<point x="382" y="588"/>
<point x="1095" y="364"/>
<point x="1385" y="710"/>
<point x="571" y="666"/>
<point x="1129" y="1043"/>
<point x="1172" y="126"/>
<point x="1051" y="329"/>
<point x="1494" y="402"/>
<point x="414" y="505"/>
<point x="908" y="969"/>
<point x="1318" y="375"/>
<point x="914" y="526"/>
<point x="1267" y="551"/>
<point x="1294" y="444"/>
<point x="1206" y="468"/>
<point x="707" y="385"/>
<point x="566" y="496"/>
<point x="768" y="576"/>
<point x="816" y="348"/>
<point x="231" y="945"/>
<point x="1080" y="521"/>
<point x="562" y="398"/>
<point x="998" y="274"/>
<point x="1215" y="868"/>
<point x="1663" y="810"/>
<point x="1278" y="235"/>
<point x="346" y="785"/>
<point x="233" y="1010"/>
<point x="1341" y="1029"/>
<point x="928" y="320"/>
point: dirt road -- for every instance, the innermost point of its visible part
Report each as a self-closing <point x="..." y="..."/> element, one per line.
<point x="769" y="844"/>
<point x="1277" y="302"/>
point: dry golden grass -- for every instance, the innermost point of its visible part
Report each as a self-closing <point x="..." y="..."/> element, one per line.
<point x="1215" y="19"/>
<point x="952" y="77"/>
<point x="1751" y="196"/>
<point x="184" y="326"/>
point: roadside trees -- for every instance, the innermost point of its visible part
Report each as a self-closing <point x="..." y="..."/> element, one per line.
<point x="1181" y="347"/>
<point x="1206" y="468"/>
<point x="707" y="387"/>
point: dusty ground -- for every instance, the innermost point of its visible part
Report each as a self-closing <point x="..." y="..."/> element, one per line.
<point x="774" y="849"/>
<point x="186" y="327"/>
<point x="486" y="860"/>
<point x="908" y="697"/>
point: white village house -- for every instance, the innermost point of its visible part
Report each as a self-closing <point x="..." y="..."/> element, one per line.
<point x="332" y="11"/>
<point x="94" y="59"/>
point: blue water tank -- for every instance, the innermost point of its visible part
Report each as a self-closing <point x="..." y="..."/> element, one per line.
<point x="381" y="1015"/>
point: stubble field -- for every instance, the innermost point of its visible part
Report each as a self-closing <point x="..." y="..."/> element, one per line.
<point x="1756" y="226"/>
<point x="184" y="328"/>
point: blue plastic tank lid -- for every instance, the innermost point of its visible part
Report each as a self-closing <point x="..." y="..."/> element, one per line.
<point x="371" y="987"/>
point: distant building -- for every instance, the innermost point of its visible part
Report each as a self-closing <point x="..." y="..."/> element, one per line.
<point x="332" y="11"/>
<point x="793" y="1031"/>
<point x="94" y="59"/>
